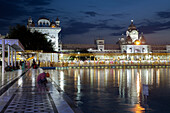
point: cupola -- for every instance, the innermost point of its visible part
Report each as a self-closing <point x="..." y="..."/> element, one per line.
<point x="57" y="22"/>
<point x="132" y="26"/>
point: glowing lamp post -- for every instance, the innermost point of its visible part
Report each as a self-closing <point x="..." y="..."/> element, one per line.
<point x="79" y="58"/>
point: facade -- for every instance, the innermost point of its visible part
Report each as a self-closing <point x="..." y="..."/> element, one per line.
<point x="50" y="28"/>
<point x="133" y="42"/>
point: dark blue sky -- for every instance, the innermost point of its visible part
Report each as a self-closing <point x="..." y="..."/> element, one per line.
<point x="83" y="21"/>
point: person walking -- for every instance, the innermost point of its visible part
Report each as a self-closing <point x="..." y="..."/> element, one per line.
<point x="34" y="65"/>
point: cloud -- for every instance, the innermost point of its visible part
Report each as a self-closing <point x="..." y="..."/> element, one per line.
<point x="116" y="34"/>
<point x="152" y="27"/>
<point x="77" y="27"/>
<point x="38" y="2"/>
<point x="10" y="10"/>
<point x="41" y="12"/>
<point x="105" y="26"/>
<point x="163" y="14"/>
<point x="91" y="13"/>
<point x="15" y="11"/>
<point x="118" y="15"/>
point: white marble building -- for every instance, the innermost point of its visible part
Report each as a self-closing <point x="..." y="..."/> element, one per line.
<point x="45" y="26"/>
<point x="133" y="42"/>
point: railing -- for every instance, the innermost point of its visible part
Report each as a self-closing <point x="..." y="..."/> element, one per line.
<point x="107" y="63"/>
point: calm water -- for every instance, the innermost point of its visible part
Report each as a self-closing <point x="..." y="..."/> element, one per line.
<point x="116" y="90"/>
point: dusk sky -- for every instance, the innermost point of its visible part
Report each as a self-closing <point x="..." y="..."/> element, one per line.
<point x="83" y="21"/>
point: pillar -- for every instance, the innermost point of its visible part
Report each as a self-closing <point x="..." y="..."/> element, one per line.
<point x="3" y="56"/>
<point x="11" y="56"/>
<point x="8" y="55"/>
<point x="15" y="58"/>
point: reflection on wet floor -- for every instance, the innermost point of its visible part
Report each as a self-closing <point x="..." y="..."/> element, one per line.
<point x="25" y="96"/>
<point x="8" y="76"/>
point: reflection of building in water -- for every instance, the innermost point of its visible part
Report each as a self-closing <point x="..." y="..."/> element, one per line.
<point x="126" y="84"/>
<point x="129" y="86"/>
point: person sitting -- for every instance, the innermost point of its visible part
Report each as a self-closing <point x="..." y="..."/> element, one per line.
<point x="42" y="80"/>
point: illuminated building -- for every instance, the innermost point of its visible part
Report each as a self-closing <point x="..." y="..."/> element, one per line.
<point x="133" y="42"/>
<point x="50" y="28"/>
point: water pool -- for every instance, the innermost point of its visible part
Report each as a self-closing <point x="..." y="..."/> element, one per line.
<point x="116" y="90"/>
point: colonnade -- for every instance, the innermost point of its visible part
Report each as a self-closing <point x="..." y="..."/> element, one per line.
<point x="12" y="45"/>
<point x="12" y="51"/>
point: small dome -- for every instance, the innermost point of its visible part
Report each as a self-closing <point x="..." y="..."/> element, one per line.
<point x="122" y="39"/>
<point x="132" y="26"/>
<point x="142" y="39"/>
<point x="29" y="18"/>
<point x="57" y="19"/>
<point x="53" y="24"/>
<point x="128" y="40"/>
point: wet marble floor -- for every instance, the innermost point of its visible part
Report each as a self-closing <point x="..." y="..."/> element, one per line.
<point x="25" y="97"/>
<point x="9" y="76"/>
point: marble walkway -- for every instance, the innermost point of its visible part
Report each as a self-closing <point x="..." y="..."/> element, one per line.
<point x="25" y="97"/>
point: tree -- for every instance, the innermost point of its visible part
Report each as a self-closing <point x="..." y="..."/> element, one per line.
<point x="30" y="41"/>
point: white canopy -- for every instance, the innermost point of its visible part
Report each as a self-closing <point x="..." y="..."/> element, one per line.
<point x="5" y="45"/>
<point x="14" y="43"/>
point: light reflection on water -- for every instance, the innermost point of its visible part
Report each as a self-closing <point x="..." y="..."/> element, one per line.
<point x="116" y="90"/>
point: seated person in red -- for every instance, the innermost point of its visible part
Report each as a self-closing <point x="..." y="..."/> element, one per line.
<point x="42" y="80"/>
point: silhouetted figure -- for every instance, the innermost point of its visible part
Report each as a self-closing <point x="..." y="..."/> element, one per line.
<point x="38" y="63"/>
<point x="34" y="65"/>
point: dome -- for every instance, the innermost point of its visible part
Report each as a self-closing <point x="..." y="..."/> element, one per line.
<point x="128" y="40"/>
<point x="142" y="39"/>
<point x="122" y="41"/>
<point x="43" y="22"/>
<point x="43" y="18"/>
<point x="132" y="26"/>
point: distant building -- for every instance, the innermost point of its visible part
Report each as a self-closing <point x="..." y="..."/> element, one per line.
<point x="168" y="48"/>
<point x="50" y="28"/>
<point x="108" y="48"/>
<point x="133" y="42"/>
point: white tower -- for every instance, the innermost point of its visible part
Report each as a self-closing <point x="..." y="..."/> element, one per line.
<point x="100" y="44"/>
<point x="57" y="22"/>
<point x="51" y="29"/>
<point x="132" y="32"/>
<point x="30" y="22"/>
